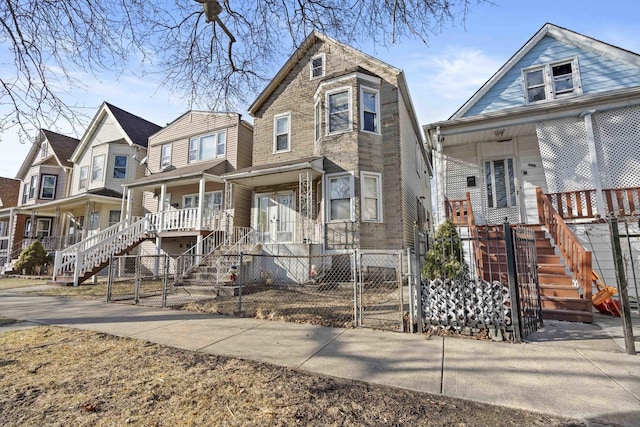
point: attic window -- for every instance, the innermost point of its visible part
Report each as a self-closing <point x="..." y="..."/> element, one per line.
<point x="317" y="66"/>
<point x="552" y="81"/>
<point x="43" y="149"/>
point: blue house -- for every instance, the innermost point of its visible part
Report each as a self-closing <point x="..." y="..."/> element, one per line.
<point x="554" y="130"/>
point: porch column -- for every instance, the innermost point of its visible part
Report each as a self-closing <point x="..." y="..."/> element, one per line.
<point x="200" y="207"/>
<point x="123" y="206"/>
<point x="85" y="225"/>
<point x="161" y="205"/>
<point x="305" y="202"/>
<point x="438" y="177"/>
<point x="57" y="228"/>
<point x="227" y="208"/>
<point x="11" y="233"/>
<point x="595" y="169"/>
<point x="128" y="208"/>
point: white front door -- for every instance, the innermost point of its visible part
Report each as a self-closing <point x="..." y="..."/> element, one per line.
<point x="500" y="190"/>
<point x="275" y="219"/>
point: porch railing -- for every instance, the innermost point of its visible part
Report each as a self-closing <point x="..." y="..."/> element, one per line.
<point x="474" y="235"/>
<point x="575" y="255"/>
<point x="458" y="210"/>
<point x="582" y="204"/>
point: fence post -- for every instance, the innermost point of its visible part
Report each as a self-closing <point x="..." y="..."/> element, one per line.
<point x="357" y="321"/>
<point x="412" y="287"/>
<point x="165" y="281"/>
<point x="136" y="280"/>
<point x="513" y="282"/>
<point x="240" y="279"/>
<point x="621" y="281"/>
<point x="110" y="278"/>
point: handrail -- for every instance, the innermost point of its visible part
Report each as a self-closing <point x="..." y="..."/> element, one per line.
<point x="581" y="204"/>
<point x="573" y="252"/>
<point x="458" y="210"/>
<point x="190" y="259"/>
<point x="245" y="239"/>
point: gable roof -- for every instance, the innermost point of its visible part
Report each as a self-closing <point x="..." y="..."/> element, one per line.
<point x="135" y="130"/>
<point x="561" y="34"/>
<point x="61" y="147"/>
<point x="9" y="191"/>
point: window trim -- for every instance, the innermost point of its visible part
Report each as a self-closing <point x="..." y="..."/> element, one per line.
<point x="207" y="193"/>
<point x="167" y="157"/>
<point x="364" y="89"/>
<point x="55" y="185"/>
<point x="44" y="149"/>
<point x="549" y="82"/>
<point x="44" y="229"/>
<point x="328" y="95"/>
<point x="126" y="164"/>
<point x="197" y="141"/>
<point x="378" y="178"/>
<point x="328" y="179"/>
<point x="25" y="192"/>
<point x="33" y="184"/>
<point x="511" y="192"/>
<point x="322" y="67"/>
<point x="275" y="132"/>
<point x="93" y="170"/>
<point x="86" y="178"/>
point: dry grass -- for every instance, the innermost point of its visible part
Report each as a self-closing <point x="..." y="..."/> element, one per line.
<point x="18" y="282"/>
<point x="58" y="377"/>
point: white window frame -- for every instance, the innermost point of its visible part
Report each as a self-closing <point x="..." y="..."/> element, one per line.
<point x="195" y="199"/>
<point x="195" y="146"/>
<point x="549" y="81"/>
<point x="317" y="121"/>
<point x="320" y="56"/>
<point x="328" y="180"/>
<point x="44" y="149"/>
<point x="111" y="212"/>
<point x="41" y="230"/>
<point x="378" y="178"/>
<point x="510" y="188"/>
<point x="25" y="192"/>
<point x="95" y="178"/>
<point x="94" y="221"/>
<point x="53" y="188"/>
<point x="364" y="89"/>
<point x="33" y="183"/>
<point x="328" y="95"/>
<point x="276" y="134"/>
<point x="165" y="157"/>
<point x="82" y="182"/>
<point x="126" y="163"/>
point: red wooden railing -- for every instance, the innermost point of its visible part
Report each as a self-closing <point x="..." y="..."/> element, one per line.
<point x="575" y="255"/>
<point x="581" y="204"/>
<point x="458" y="210"/>
<point x="473" y="233"/>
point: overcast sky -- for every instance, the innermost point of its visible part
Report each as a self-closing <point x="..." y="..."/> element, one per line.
<point x="441" y="75"/>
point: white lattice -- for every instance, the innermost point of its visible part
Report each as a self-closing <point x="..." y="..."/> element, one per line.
<point x="617" y="137"/>
<point x="565" y="155"/>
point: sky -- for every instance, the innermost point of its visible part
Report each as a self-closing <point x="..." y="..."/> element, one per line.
<point x="441" y="75"/>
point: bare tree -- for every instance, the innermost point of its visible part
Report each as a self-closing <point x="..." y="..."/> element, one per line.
<point x="215" y="54"/>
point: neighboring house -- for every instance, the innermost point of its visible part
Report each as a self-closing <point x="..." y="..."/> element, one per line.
<point x="338" y="159"/>
<point x="561" y="115"/>
<point x="44" y="178"/>
<point x="185" y="162"/>
<point x="9" y="192"/>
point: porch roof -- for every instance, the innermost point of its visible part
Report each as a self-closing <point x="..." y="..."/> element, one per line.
<point x="276" y="173"/>
<point x="101" y="196"/>
<point x="186" y="175"/>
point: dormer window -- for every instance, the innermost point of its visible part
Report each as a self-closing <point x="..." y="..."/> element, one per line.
<point x="551" y="81"/>
<point x="165" y="156"/>
<point x="44" y="148"/>
<point x="317" y="66"/>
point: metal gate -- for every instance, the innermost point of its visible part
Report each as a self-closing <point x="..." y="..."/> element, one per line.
<point x="380" y="297"/>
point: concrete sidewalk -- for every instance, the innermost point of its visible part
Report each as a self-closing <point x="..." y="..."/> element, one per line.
<point x="590" y="380"/>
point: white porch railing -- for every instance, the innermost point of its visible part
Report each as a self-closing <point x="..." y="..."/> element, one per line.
<point x="193" y="257"/>
<point x="245" y="239"/>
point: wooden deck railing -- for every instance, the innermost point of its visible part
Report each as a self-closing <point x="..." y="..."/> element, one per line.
<point x="474" y="235"/>
<point x="458" y="210"/>
<point x="581" y="204"/>
<point x="575" y="255"/>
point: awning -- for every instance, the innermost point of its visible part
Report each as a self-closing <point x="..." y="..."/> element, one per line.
<point x="276" y="173"/>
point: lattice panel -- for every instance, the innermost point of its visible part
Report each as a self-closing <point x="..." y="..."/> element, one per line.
<point x="565" y="155"/>
<point x="466" y="303"/>
<point x="617" y="136"/>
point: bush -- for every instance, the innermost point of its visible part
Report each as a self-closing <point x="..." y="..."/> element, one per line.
<point x="32" y="259"/>
<point x="445" y="259"/>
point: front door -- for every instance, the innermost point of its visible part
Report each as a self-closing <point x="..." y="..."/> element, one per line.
<point x="276" y="217"/>
<point x="500" y="190"/>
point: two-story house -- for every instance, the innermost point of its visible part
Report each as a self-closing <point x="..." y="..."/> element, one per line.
<point x="338" y="159"/>
<point x="45" y="177"/>
<point x="550" y="138"/>
<point x="9" y="192"/>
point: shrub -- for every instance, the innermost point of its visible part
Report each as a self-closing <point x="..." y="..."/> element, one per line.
<point x="32" y="259"/>
<point x="445" y="259"/>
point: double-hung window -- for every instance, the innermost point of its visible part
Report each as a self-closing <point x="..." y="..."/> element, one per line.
<point x="84" y="176"/>
<point x="25" y="193"/>
<point x="44" y="149"/>
<point x="371" y="189"/>
<point x="339" y="111"/>
<point x="165" y="156"/>
<point x="282" y="133"/>
<point x="369" y="109"/>
<point x="317" y="66"/>
<point x="340" y="195"/>
<point x="48" y="187"/>
<point x="120" y="167"/>
<point x="32" y="186"/>
<point x="97" y="168"/>
<point x="551" y="81"/>
<point x="207" y="147"/>
<point x="500" y="181"/>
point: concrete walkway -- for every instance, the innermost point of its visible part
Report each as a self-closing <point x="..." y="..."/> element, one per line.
<point x="588" y="378"/>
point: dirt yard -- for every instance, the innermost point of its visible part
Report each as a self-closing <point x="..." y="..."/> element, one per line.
<point x="59" y="377"/>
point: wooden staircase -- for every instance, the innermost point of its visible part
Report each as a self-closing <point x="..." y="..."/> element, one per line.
<point x="560" y="299"/>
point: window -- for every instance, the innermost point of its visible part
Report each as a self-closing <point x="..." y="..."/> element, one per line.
<point x="282" y="132"/>
<point x="43" y="227"/>
<point x="97" y="168"/>
<point x="212" y="201"/>
<point x="369" y="110"/>
<point x="84" y="175"/>
<point x="165" y="156"/>
<point x="371" y="189"/>
<point x="207" y="147"/>
<point x="43" y="149"/>
<point x="48" y="187"/>
<point x="551" y="81"/>
<point x="94" y="220"/>
<point x="317" y="66"/>
<point x="114" y="217"/>
<point x="120" y="167"/>
<point x="500" y="181"/>
<point x="316" y="116"/>
<point x="32" y="186"/>
<point x="27" y="228"/>
<point x="25" y="193"/>
<point x="339" y="111"/>
<point x="340" y="193"/>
